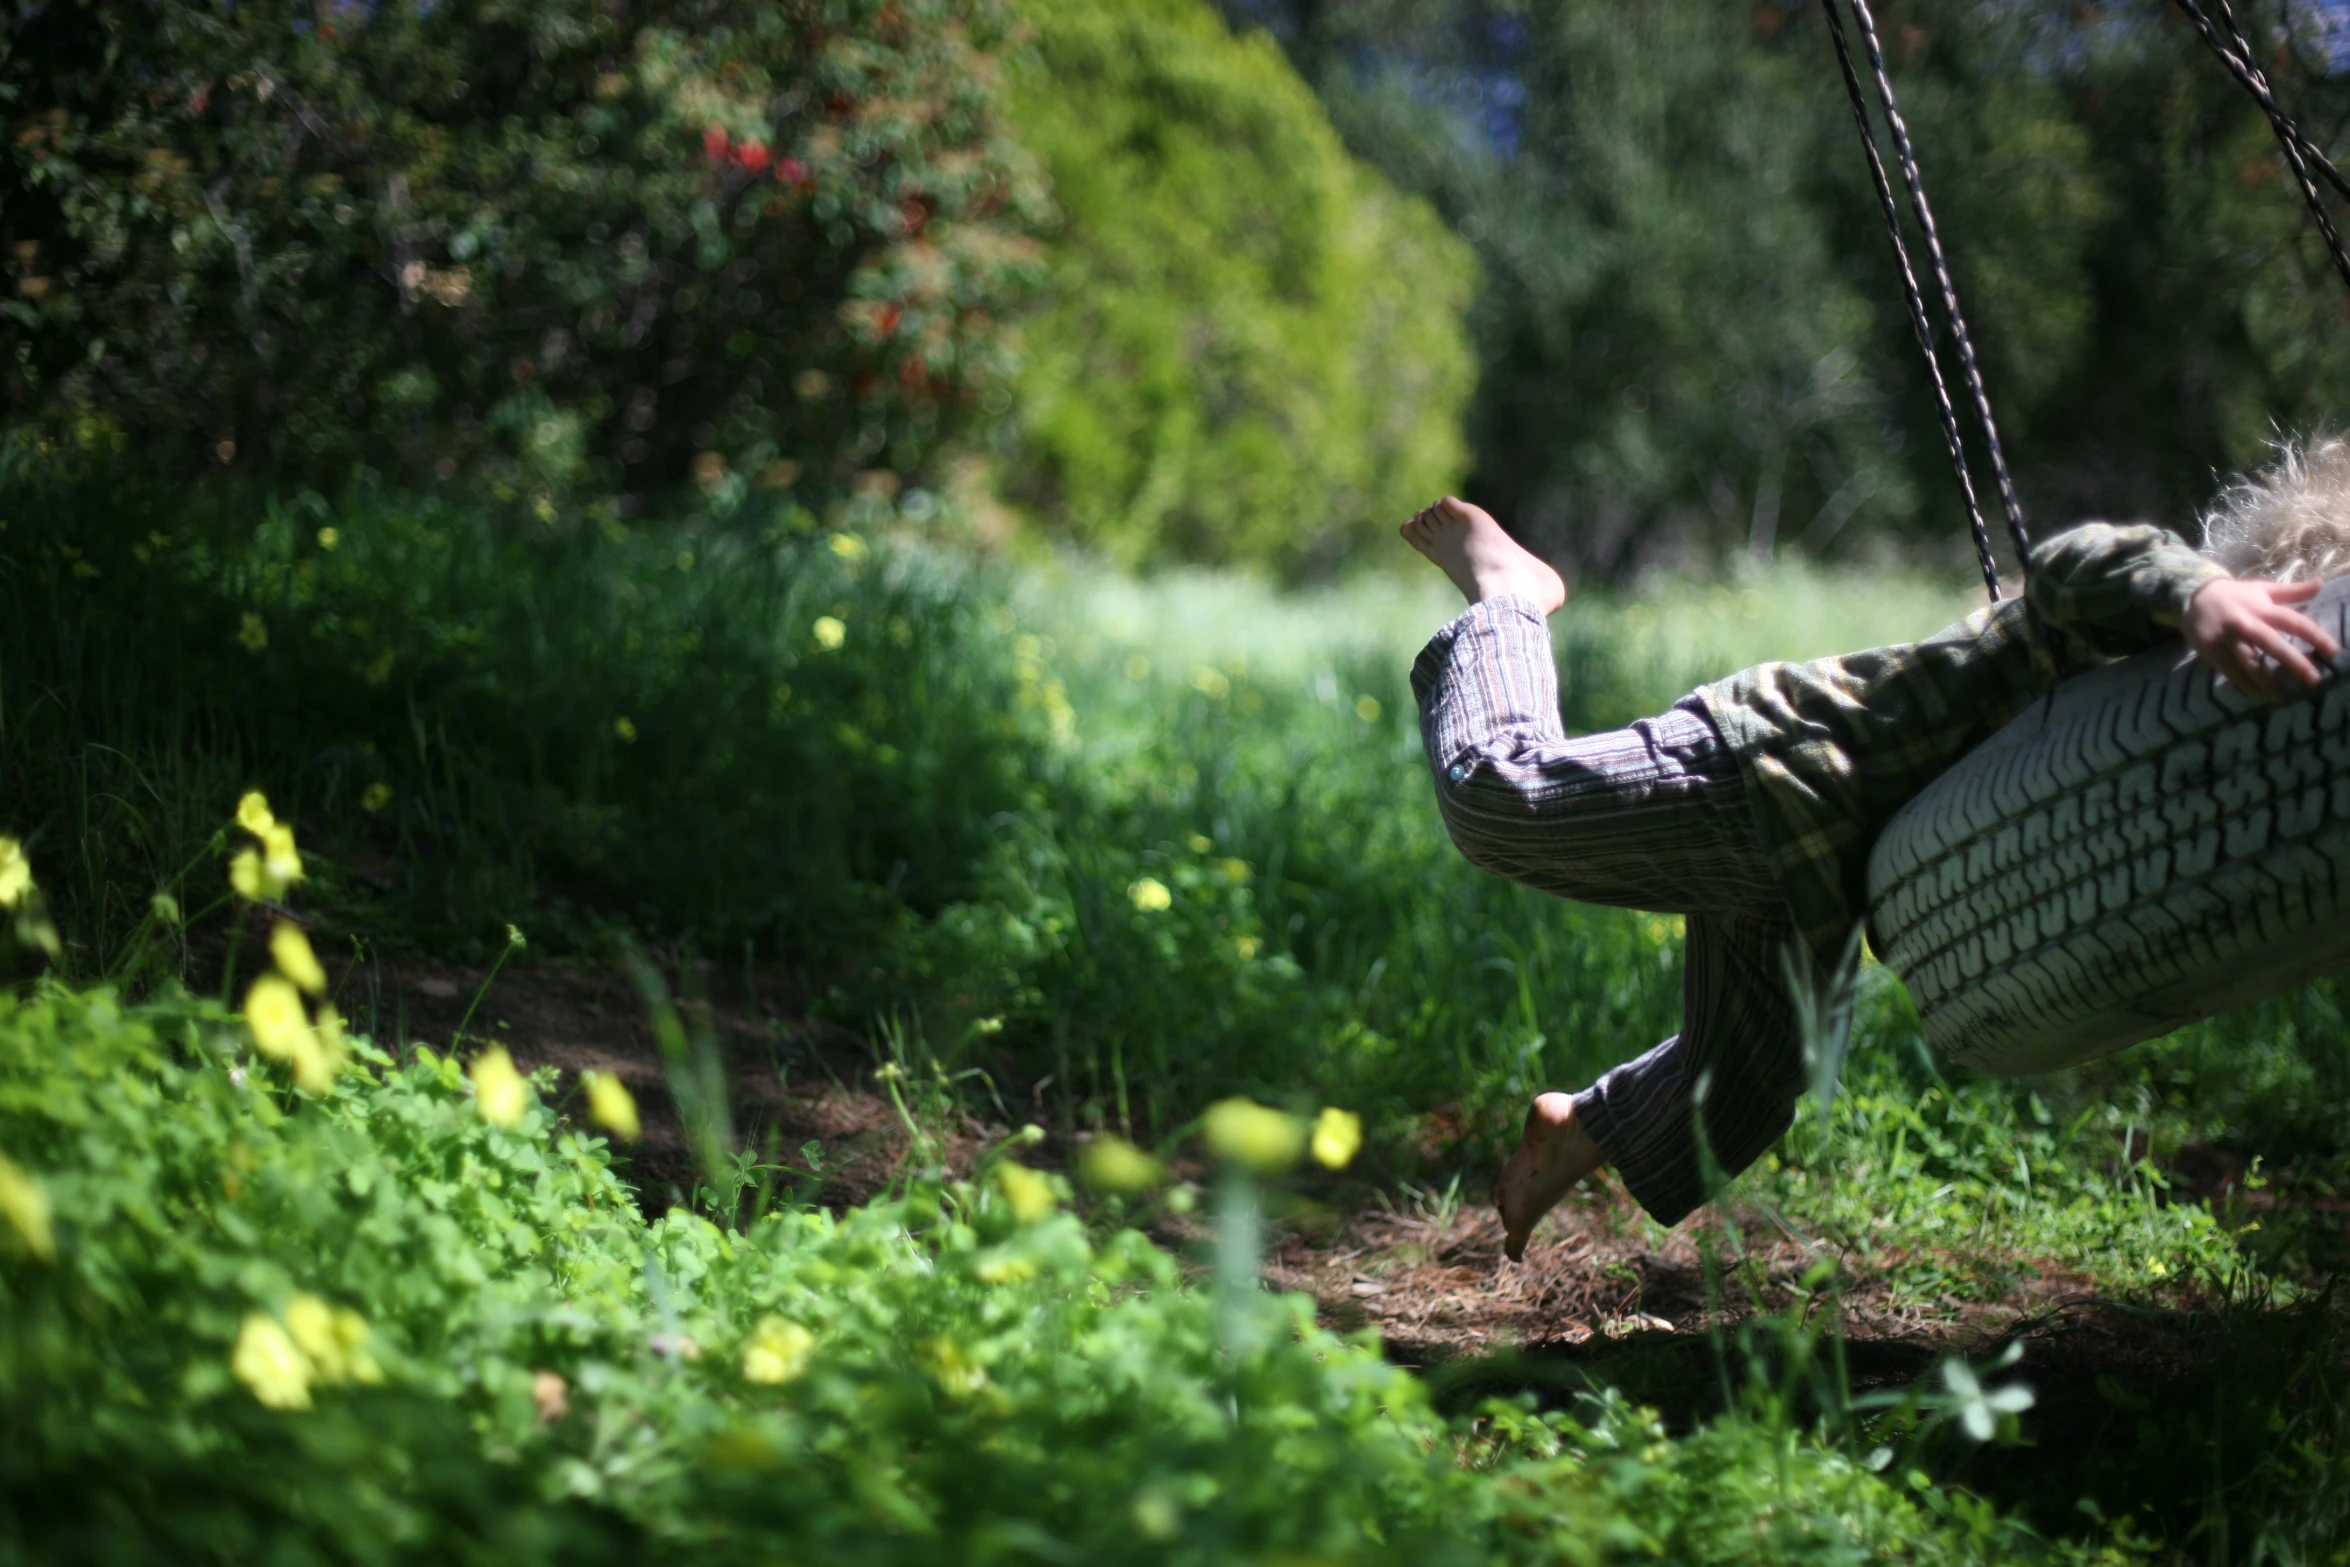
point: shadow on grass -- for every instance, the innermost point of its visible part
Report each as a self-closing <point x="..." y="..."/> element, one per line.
<point x="2214" y="1434"/>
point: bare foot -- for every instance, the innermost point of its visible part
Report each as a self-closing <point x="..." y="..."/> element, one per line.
<point x="1482" y="560"/>
<point x="1552" y="1156"/>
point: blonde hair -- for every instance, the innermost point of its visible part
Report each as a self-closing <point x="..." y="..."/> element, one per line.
<point x="2291" y="520"/>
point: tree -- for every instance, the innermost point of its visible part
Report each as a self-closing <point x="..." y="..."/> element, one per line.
<point x="619" y="240"/>
<point x="1250" y="347"/>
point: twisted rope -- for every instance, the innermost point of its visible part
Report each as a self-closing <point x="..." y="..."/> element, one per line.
<point x="1918" y="317"/>
<point x="2301" y="153"/>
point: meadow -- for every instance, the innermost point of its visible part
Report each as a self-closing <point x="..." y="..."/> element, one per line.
<point x="1074" y="857"/>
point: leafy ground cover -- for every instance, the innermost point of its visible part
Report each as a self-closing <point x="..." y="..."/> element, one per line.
<point x="934" y="851"/>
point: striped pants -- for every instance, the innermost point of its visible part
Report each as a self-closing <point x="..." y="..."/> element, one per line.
<point x="1655" y="817"/>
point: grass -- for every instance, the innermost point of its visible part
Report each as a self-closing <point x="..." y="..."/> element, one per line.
<point x="1114" y="849"/>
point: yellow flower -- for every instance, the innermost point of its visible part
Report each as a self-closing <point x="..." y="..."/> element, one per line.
<point x="1150" y="895"/>
<point x="16" y="873"/>
<point x="1237" y="872"/>
<point x="289" y="948"/>
<point x="311" y="1322"/>
<point x="281" y="862"/>
<point x="1112" y="1164"/>
<point x="1338" y="1134"/>
<point x="1247" y="1133"/>
<point x="253" y="813"/>
<point x="25" y="1204"/>
<point x="612" y="1106"/>
<point x="253" y="635"/>
<point x="269" y="1363"/>
<point x="1000" y="1269"/>
<point x="1030" y="1194"/>
<point x="376" y="796"/>
<point x="498" y="1088"/>
<point x="1248" y="947"/>
<point x="1198" y="843"/>
<point x="315" y="1066"/>
<point x="625" y="728"/>
<point x="244" y="874"/>
<point x="957" y="1373"/>
<point x="1367" y="709"/>
<point x="777" y="1351"/>
<point x="273" y="1009"/>
<point x="848" y="546"/>
<point x="830" y="633"/>
<point x="328" y="538"/>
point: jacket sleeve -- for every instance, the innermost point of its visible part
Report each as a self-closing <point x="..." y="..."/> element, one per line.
<point x="2117" y="588"/>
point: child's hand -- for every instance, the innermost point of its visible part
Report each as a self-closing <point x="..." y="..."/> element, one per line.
<point x="2230" y="622"/>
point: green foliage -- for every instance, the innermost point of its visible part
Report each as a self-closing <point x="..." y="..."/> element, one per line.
<point x="557" y="241"/>
<point x="555" y="1378"/>
<point x="492" y="714"/>
<point x="1250" y="347"/>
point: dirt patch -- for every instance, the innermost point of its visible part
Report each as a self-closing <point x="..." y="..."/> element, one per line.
<point x="790" y="1080"/>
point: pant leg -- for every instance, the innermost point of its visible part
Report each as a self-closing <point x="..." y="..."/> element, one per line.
<point x="1651" y="816"/>
<point x="1727" y="1084"/>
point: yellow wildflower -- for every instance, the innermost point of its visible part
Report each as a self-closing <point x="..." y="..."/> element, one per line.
<point x="1338" y="1135"/>
<point x="244" y="874"/>
<point x="1263" y="1140"/>
<point x="253" y="813"/>
<point x="315" y="1066"/>
<point x="281" y="862"/>
<point x="25" y="1204"/>
<point x="268" y="1362"/>
<point x="253" y="633"/>
<point x="1150" y="895"/>
<point x="625" y="728"/>
<point x="1001" y="1269"/>
<point x="376" y="796"/>
<point x="16" y="873"/>
<point x="1030" y="1194"/>
<point x="1367" y="709"/>
<point x="498" y="1088"/>
<point x="1248" y="947"/>
<point x="612" y="1106"/>
<point x="1112" y="1164"/>
<point x="328" y="538"/>
<point x="273" y="1009"/>
<point x="848" y="546"/>
<point x="289" y="948"/>
<point x="830" y="633"/>
<point x="957" y="1373"/>
<point x="311" y="1323"/>
<point x="777" y="1351"/>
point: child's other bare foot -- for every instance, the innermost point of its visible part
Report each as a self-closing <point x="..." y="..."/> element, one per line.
<point x="1552" y="1156"/>
<point x="1482" y="561"/>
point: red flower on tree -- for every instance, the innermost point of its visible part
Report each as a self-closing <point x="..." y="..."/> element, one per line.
<point x="751" y="155"/>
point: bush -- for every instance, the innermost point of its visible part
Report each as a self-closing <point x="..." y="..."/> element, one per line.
<point x="557" y="241"/>
<point x="1251" y="347"/>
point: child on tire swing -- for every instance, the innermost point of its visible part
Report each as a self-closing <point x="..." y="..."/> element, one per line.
<point x="1751" y="804"/>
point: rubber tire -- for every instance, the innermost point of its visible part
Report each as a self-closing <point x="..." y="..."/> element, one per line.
<point x="2140" y="849"/>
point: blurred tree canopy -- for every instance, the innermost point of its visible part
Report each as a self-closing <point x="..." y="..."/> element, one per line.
<point x="1691" y="333"/>
<point x="1251" y="346"/>
<point x="612" y="240"/>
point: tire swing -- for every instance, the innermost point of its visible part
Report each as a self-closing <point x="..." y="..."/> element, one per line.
<point x="2146" y="846"/>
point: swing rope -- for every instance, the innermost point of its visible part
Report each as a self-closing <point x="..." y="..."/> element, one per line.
<point x="1919" y="318"/>
<point x="2236" y="53"/>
